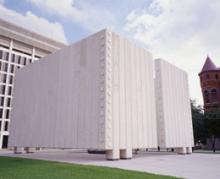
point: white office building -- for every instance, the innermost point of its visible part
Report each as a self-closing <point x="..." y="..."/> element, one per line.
<point x="18" y="47"/>
<point x="99" y="93"/>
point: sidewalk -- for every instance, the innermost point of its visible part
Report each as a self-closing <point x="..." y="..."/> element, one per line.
<point x="194" y="166"/>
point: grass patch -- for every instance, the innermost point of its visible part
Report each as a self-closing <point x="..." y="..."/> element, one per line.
<point x="18" y="168"/>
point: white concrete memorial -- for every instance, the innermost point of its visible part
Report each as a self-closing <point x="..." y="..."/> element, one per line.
<point x="95" y="94"/>
<point x="98" y="93"/>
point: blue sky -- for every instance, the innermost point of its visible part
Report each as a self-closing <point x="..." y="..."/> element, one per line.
<point x="182" y="32"/>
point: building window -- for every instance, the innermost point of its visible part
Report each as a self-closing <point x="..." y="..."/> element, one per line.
<point x="216" y="76"/>
<point x="2" y="89"/>
<point x="1" y="112"/>
<point x="4" y="78"/>
<point x="2" y="101"/>
<point x="207" y="76"/>
<point x="214" y="95"/>
<point x="5" y="141"/>
<point x="7" y="114"/>
<point x="6" y="126"/>
<point x="0" y="125"/>
<point x="13" y="58"/>
<point x="206" y="96"/>
<point x="1" y="53"/>
<point x="5" y="67"/>
<point x="24" y="62"/>
<point x="11" y="80"/>
<point x="12" y="69"/>
<point x="8" y="102"/>
<point x="19" y="59"/>
<point x="9" y="90"/>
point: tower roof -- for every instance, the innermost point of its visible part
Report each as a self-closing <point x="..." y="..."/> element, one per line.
<point x="209" y="65"/>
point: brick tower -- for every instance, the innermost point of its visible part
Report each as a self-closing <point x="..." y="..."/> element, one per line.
<point x="210" y="84"/>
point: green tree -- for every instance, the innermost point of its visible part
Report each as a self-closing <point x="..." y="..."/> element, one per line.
<point x="212" y="124"/>
<point x="198" y="119"/>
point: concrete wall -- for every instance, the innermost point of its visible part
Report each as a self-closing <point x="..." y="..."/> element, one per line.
<point x="133" y="103"/>
<point x="56" y="101"/>
<point x="97" y="93"/>
<point x="174" y="120"/>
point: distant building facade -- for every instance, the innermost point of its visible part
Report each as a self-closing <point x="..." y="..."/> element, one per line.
<point x="210" y="85"/>
<point x="18" y="47"/>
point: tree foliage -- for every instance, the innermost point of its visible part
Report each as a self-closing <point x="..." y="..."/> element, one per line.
<point x="205" y="125"/>
<point x="212" y="124"/>
<point x="199" y="130"/>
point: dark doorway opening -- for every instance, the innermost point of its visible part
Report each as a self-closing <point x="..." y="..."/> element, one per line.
<point x="5" y="142"/>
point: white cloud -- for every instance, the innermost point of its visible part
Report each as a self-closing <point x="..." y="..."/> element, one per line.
<point x="182" y="32"/>
<point x="63" y="8"/>
<point x="90" y="16"/>
<point x="96" y="17"/>
<point x="53" y="30"/>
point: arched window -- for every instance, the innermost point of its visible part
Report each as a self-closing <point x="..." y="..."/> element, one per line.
<point x="207" y="76"/>
<point x="206" y="96"/>
<point x="214" y="95"/>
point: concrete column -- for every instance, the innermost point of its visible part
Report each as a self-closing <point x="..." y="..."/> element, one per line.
<point x="188" y="150"/>
<point x="181" y="150"/>
<point x="30" y="150"/>
<point x="18" y="150"/>
<point x="112" y="154"/>
<point x="126" y="154"/>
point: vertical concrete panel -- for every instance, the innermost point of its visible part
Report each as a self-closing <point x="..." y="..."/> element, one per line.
<point x="128" y="84"/>
<point x="123" y="94"/>
<point x="59" y="99"/>
<point x="174" y="122"/>
<point x="116" y="89"/>
<point x="134" y="93"/>
<point x="133" y="100"/>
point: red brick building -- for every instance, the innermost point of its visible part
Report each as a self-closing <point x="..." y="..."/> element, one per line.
<point x="210" y="84"/>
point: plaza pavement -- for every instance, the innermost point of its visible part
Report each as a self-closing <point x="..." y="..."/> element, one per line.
<point x="194" y="166"/>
